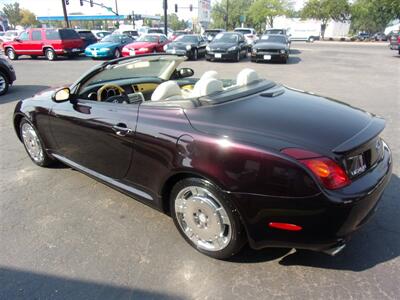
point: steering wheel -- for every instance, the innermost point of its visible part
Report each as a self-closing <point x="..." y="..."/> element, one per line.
<point x="109" y="86"/>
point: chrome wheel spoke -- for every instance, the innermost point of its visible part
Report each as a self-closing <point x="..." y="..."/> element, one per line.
<point x="202" y="218"/>
<point x="32" y="142"/>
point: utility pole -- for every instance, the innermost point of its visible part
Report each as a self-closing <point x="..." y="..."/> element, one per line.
<point x="165" y="17"/>
<point x="227" y="15"/>
<point x="116" y="12"/>
<point x="65" y="14"/>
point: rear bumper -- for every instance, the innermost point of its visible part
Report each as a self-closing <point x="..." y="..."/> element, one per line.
<point x="99" y="54"/>
<point x="327" y="219"/>
<point x="69" y="51"/>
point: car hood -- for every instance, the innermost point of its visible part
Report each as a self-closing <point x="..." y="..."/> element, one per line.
<point x="269" y="46"/>
<point x="292" y="119"/>
<point x="138" y="45"/>
<point x="222" y="45"/>
<point x="103" y="45"/>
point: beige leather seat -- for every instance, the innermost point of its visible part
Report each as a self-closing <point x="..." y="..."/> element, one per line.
<point x="168" y="90"/>
<point x="210" y="74"/>
<point x="206" y="86"/>
<point x="246" y="76"/>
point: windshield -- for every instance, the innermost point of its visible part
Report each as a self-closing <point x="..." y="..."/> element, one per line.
<point x="273" y="39"/>
<point x="274" y="31"/>
<point x="130" y="69"/>
<point x="155" y="31"/>
<point x="114" y="38"/>
<point x="187" y="39"/>
<point x="226" y="38"/>
<point x="244" y="31"/>
<point x="148" y="38"/>
<point x="11" y="33"/>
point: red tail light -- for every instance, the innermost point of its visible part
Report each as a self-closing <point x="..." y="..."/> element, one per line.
<point x="329" y="173"/>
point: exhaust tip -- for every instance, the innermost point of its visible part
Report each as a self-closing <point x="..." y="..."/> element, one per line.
<point x="334" y="250"/>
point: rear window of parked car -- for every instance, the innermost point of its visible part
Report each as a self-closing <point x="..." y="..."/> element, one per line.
<point x="62" y="34"/>
<point x="86" y="34"/>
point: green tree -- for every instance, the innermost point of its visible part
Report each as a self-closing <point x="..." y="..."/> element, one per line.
<point x="13" y="13"/>
<point x="262" y="11"/>
<point x="373" y="15"/>
<point x="174" y="22"/>
<point x="229" y="11"/>
<point x="326" y="10"/>
<point x="28" y="18"/>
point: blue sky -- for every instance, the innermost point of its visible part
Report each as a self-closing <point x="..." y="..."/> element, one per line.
<point x="53" y="7"/>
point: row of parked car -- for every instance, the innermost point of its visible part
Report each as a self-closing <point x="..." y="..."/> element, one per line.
<point x="214" y="45"/>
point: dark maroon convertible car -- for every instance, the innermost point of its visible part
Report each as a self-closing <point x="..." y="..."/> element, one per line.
<point x="231" y="161"/>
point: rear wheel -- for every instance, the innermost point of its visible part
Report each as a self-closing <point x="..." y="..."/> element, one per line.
<point x="3" y="83"/>
<point x="311" y="39"/>
<point x="34" y="145"/>
<point x="11" y="54"/>
<point x="206" y="218"/>
<point x="50" y="54"/>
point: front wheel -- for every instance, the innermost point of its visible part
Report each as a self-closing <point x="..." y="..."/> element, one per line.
<point x="50" y="54"/>
<point x="33" y="144"/>
<point x="206" y="218"/>
<point x="3" y="83"/>
<point x="195" y="54"/>
<point x="237" y="56"/>
<point x="11" y="54"/>
<point x="117" y="53"/>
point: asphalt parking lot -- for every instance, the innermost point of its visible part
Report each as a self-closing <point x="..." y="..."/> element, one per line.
<point x="64" y="235"/>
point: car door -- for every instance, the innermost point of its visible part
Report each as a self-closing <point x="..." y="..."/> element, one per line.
<point x="22" y="43"/>
<point x="36" y="42"/>
<point x="96" y="135"/>
<point x="202" y="45"/>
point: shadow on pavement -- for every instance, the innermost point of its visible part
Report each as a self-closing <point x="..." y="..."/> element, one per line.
<point x="18" y="92"/>
<point x="295" y="51"/>
<point x="377" y="243"/>
<point x="17" y="284"/>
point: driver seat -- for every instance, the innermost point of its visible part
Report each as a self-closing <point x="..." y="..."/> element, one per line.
<point x="168" y="90"/>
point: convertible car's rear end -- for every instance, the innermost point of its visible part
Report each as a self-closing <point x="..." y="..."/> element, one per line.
<point x="317" y="136"/>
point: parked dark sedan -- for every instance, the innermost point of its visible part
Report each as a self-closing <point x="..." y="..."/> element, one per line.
<point x="7" y="74"/>
<point x="248" y="162"/>
<point x="271" y="47"/>
<point x="227" y="46"/>
<point x="191" y="45"/>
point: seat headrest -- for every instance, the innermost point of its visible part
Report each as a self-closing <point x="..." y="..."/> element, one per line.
<point x="206" y="86"/>
<point x="209" y="74"/>
<point x="246" y="76"/>
<point x="165" y="90"/>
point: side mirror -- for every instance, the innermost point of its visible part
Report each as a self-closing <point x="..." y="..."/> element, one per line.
<point x="62" y="95"/>
<point x="17" y="40"/>
<point x="186" y="72"/>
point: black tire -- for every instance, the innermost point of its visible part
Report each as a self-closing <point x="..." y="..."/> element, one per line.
<point x="285" y="60"/>
<point x="50" y="54"/>
<point x="11" y="54"/>
<point x="195" y="55"/>
<point x="46" y="160"/>
<point x="237" y="58"/>
<point x="238" y="236"/>
<point x="117" y="53"/>
<point x="4" y="84"/>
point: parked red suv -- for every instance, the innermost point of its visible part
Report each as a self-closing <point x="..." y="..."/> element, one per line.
<point x="44" y="41"/>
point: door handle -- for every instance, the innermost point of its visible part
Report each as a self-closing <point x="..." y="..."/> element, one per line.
<point x="121" y="129"/>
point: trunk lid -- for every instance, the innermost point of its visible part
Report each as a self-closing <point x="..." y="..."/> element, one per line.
<point x="289" y="118"/>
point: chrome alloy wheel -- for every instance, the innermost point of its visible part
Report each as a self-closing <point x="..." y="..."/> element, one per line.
<point x="3" y="83"/>
<point x="202" y="218"/>
<point x="32" y="142"/>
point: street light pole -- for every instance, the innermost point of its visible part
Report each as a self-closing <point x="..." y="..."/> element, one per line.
<point x="65" y="13"/>
<point x="165" y="5"/>
<point x="116" y="12"/>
